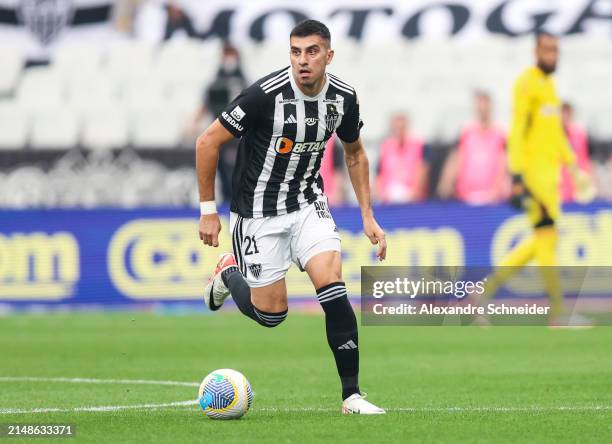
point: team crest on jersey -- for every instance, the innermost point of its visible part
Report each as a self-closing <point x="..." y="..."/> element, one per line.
<point x="45" y="18"/>
<point x="255" y="270"/>
<point x="331" y="119"/>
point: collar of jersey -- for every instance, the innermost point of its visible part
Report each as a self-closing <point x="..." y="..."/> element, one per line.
<point x="300" y="95"/>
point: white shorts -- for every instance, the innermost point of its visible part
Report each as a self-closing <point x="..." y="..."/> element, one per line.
<point x="265" y="247"/>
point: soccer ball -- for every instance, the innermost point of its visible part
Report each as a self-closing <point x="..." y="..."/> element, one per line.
<point x="225" y="394"/>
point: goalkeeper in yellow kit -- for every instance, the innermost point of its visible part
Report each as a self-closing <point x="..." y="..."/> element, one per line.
<point x="537" y="150"/>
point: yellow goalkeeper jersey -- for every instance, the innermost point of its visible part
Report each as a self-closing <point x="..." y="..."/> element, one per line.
<point x="538" y="145"/>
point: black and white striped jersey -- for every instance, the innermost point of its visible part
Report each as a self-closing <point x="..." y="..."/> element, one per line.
<point x="283" y="136"/>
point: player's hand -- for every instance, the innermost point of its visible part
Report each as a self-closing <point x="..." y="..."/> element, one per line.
<point x="583" y="183"/>
<point x="376" y="235"/>
<point x="210" y="227"/>
<point x="519" y="192"/>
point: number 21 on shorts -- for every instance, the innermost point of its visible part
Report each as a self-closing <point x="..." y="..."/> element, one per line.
<point x="250" y="245"/>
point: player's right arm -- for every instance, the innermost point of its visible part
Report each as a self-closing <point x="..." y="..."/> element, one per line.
<point x="208" y="146"/>
<point x="519" y="125"/>
<point x="516" y="141"/>
<point x="237" y="118"/>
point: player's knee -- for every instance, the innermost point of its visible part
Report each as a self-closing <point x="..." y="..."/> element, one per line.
<point x="325" y="267"/>
<point x="270" y="320"/>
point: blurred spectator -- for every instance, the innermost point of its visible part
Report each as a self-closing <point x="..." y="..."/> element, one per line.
<point x="227" y="84"/>
<point x="177" y="22"/>
<point x="579" y="140"/>
<point x="402" y="167"/>
<point x="475" y="172"/>
<point x="125" y="12"/>
<point x="333" y="173"/>
<point x="604" y="179"/>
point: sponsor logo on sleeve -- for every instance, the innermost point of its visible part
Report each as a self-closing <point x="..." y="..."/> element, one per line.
<point x="237" y="113"/>
<point x="229" y="119"/>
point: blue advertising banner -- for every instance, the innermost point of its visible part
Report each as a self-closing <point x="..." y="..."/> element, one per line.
<point x="142" y="256"/>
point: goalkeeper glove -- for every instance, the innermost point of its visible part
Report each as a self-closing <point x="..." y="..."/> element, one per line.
<point x="585" y="190"/>
<point x="520" y="193"/>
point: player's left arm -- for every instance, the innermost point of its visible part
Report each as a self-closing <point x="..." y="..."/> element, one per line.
<point x="585" y="189"/>
<point x="566" y="152"/>
<point x="359" y="172"/>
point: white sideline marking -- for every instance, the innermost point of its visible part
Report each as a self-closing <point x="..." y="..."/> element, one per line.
<point x="108" y="408"/>
<point x="102" y="408"/>
<point x="452" y="409"/>
<point x="95" y="381"/>
<point x="190" y="403"/>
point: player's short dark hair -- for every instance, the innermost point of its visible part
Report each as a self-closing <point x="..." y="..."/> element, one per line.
<point x="311" y="27"/>
<point x="482" y="94"/>
<point x="539" y="35"/>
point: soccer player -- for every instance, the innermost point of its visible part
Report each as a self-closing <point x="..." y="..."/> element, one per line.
<point x="279" y="213"/>
<point x="537" y="150"/>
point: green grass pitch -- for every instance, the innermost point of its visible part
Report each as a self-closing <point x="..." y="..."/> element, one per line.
<point x="442" y="384"/>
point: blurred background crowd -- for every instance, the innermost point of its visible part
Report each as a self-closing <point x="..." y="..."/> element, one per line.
<point x="113" y="123"/>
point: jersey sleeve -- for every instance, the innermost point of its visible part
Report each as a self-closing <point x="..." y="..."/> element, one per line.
<point x="242" y="113"/>
<point x="520" y="121"/>
<point x="351" y="124"/>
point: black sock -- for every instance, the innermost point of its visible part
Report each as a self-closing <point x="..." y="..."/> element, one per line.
<point x="239" y="289"/>
<point x="241" y="293"/>
<point x="341" y="327"/>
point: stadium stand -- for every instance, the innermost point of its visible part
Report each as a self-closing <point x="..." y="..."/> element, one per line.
<point x="54" y="129"/>
<point x="12" y="64"/>
<point x="13" y="126"/>
<point x="133" y="95"/>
